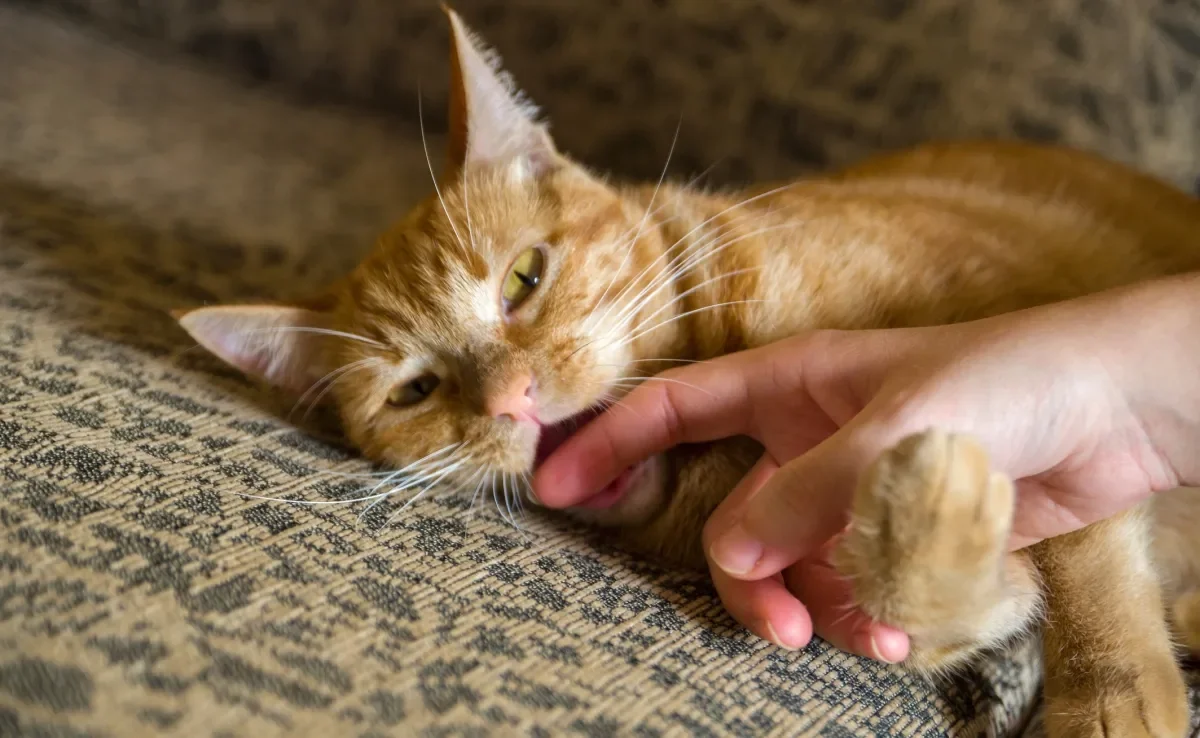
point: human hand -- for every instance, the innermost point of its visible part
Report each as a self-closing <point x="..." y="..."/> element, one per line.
<point x="1051" y="393"/>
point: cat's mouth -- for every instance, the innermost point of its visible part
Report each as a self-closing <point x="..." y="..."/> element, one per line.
<point x="553" y="436"/>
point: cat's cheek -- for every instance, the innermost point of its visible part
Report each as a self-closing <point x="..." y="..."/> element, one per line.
<point x="644" y="497"/>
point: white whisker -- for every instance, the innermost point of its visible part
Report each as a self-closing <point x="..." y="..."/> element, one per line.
<point x="387" y="475"/>
<point x="331" y="378"/>
<point x="429" y="163"/>
<point x="676" y="264"/>
<point x="697" y="256"/>
<point x="669" y="380"/>
<point x="678" y="298"/>
<point x="318" y="331"/>
<point x="681" y="316"/>
<point x="424" y="477"/>
<point x="646" y="215"/>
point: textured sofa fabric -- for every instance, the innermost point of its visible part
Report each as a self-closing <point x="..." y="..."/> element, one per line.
<point x="143" y="593"/>
<point x="763" y="87"/>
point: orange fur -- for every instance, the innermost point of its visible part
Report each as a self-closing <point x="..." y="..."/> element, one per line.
<point x="638" y="277"/>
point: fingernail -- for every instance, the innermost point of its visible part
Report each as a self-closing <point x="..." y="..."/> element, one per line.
<point x="736" y="552"/>
<point x="886" y="656"/>
<point x="773" y="637"/>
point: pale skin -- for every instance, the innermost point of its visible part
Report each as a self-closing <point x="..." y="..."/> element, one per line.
<point x="1091" y="405"/>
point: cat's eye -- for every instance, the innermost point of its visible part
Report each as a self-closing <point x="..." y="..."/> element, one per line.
<point x="522" y="278"/>
<point x="410" y="393"/>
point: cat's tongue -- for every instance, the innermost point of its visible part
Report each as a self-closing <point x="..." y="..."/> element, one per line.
<point x="556" y="435"/>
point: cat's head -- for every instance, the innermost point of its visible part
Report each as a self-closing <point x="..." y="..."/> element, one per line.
<point x="496" y="314"/>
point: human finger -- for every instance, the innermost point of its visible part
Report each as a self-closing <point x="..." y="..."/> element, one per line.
<point x="829" y="601"/>
<point x="803" y="505"/>
<point x="766" y="608"/>
<point x="703" y="402"/>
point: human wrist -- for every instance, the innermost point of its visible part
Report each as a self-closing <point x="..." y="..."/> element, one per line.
<point x="1150" y="338"/>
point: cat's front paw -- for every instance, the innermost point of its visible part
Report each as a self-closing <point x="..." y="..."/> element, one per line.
<point x="926" y="549"/>
<point x="1125" y="701"/>
<point x="928" y="529"/>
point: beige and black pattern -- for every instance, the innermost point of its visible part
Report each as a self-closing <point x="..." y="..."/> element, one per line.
<point x="764" y="87"/>
<point x="144" y="591"/>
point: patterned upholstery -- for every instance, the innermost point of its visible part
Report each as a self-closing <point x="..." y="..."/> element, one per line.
<point x="143" y="593"/>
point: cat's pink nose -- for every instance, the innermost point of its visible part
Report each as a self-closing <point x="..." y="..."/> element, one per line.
<point x="514" y="401"/>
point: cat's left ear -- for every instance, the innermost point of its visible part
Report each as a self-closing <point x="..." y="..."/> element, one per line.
<point x="491" y="121"/>
<point x="279" y="344"/>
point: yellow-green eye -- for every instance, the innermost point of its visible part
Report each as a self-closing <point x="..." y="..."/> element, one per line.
<point x="523" y="277"/>
<point x="410" y="393"/>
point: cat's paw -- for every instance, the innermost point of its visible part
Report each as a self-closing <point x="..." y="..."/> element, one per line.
<point x="926" y="546"/>
<point x="1149" y="702"/>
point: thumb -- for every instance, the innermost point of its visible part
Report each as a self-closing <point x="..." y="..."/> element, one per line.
<point x="794" y="511"/>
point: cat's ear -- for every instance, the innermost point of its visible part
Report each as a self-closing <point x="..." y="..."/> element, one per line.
<point x="275" y="343"/>
<point x="491" y="121"/>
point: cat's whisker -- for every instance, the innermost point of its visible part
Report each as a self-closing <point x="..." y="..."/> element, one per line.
<point x="676" y="264"/>
<point x="524" y="490"/>
<point x="653" y="361"/>
<point x="616" y="301"/>
<point x="669" y="380"/>
<point x="432" y="176"/>
<point x="353" y="369"/>
<point x="425" y="481"/>
<point x="516" y="508"/>
<point x="387" y="476"/>
<point x="466" y="196"/>
<point x="696" y="288"/>
<point x="609" y="400"/>
<point x="739" y="204"/>
<point x="628" y="248"/>
<point x="698" y="256"/>
<point x="318" y="331"/>
<point x="666" y="252"/>
<point x="508" y="500"/>
<point x="646" y="215"/>
<point x="484" y="476"/>
<point x="329" y="380"/>
<point x="694" y="261"/>
<point x="496" y="496"/>
<point x="668" y="276"/>
<point x="849" y="610"/>
<point x="475" y="479"/>
<point x="681" y="316"/>
<point x="424" y="490"/>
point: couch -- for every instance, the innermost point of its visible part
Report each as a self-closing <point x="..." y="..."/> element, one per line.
<point x="162" y="154"/>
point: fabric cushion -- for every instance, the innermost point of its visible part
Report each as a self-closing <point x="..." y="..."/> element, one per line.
<point x="760" y="89"/>
<point x="144" y="592"/>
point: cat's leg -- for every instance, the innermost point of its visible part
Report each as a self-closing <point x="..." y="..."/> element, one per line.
<point x="1176" y="518"/>
<point x="926" y="551"/>
<point x="1185" y="617"/>
<point x="1110" y="661"/>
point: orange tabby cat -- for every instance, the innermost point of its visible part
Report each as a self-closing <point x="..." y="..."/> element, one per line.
<point x="527" y="293"/>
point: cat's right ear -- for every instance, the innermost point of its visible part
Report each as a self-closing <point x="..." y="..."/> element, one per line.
<point x="274" y="343"/>
<point x="491" y="122"/>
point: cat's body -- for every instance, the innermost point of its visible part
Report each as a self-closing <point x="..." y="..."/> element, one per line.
<point x="526" y="292"/>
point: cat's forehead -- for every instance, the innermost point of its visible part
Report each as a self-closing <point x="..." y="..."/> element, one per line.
<point x="433" y="276"/>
